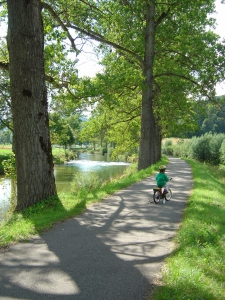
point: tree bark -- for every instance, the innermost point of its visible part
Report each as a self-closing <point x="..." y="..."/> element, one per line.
<point x="34" y="162"/>
<point x="148" y="140"/>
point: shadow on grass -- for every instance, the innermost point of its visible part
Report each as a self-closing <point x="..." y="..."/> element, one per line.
<point x="47" y="213"/>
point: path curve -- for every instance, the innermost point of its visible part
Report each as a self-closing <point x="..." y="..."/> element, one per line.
<point x="113" y="251"/>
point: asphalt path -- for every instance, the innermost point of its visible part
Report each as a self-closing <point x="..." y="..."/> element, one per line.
<point x="113" y="251"/>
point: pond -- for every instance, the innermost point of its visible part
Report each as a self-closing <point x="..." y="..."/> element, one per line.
<point x="64" y="174"/>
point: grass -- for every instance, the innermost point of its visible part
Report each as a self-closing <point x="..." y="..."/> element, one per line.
<point x="43" y="215"/>
<point x="195" y="271"/>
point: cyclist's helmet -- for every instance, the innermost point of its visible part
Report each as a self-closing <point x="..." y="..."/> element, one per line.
<point x="162" y="167"/>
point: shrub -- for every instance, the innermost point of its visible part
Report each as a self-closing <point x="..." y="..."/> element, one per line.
<point x="209" y="148"/>
<point x="215" y="146"/>
<point x="167" y="147"/>
<point x="9" y="166"/>
<point x="85" y="182"/>
<point x="200" y="148"/>
<point x="206" y="148"/>
<point x="222" y="153"/>
<point x="182" y="148"/>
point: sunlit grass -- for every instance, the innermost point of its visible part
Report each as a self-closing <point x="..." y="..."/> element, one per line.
<point x="42" y="216"/>
<point x="195" y="271"/>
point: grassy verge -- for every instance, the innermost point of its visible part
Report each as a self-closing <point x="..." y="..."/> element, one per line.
<point x="195" y="271"/>
<point x="42" y="216"/>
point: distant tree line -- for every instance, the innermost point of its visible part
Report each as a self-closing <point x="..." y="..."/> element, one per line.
<point x="214" y="118"/>
<point x="5" y="137"/>
<point x="209" y="117"/>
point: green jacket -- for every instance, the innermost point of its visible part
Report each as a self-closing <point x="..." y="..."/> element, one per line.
<point x="161" y="179"/>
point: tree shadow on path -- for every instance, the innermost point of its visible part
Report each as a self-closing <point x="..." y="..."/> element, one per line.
<point x="112" y="251"/>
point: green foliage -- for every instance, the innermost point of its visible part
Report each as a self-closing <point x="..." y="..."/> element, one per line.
<point x="167" y="147"/>
<point x="222" y="153"/>
<point x="4" y="155"/>
<point x="5" y="136"/>
<point x="85" y="182"/>
<point x="207" y="148"/>
<point x="60" y="156"/>
<point x="212" y="118"/>
<point x="10" y="167"/>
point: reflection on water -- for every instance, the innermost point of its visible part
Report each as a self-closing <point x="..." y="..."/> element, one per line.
<point x="5" y="195"/>
<point x="64" y="174"/>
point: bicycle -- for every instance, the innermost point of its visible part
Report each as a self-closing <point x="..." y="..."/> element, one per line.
<point x="158" y="194"/>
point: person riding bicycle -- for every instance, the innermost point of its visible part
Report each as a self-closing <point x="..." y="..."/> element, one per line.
<point x="162" y="179"/>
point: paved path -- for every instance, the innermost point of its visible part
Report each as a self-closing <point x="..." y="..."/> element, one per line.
<point x="113" y="251"/>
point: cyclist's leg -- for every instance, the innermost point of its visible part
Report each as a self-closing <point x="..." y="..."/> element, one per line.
<point x="166" y="188"/>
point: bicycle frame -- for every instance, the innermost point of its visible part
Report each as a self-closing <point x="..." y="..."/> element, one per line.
<point x="158" y="194"/>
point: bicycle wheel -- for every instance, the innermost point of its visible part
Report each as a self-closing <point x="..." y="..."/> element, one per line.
<point x="156" y="197"/>
<point x="168" y="196"/>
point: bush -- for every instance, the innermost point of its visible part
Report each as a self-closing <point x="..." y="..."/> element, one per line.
<point x="167" y="148"/>
<point x="85" y="182"/>
<point x="215" y="147"/>
<point x="209" y="148"/>
<point x="200" y="148"/>
<point x="182" y="148"/>
<point x="9" y="166"/>
<point x="61" y="157"/>
<point x="222" y="153"/>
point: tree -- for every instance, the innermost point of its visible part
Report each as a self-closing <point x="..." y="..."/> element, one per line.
<point x="34" y="162"/>
<point x="168" y="41"/>
<point x="118" y="106"/>
<point x="94" y="129"/>
<point x="60" y="131"/>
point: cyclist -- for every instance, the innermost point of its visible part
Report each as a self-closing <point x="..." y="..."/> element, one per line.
<point x="162" y="179"/>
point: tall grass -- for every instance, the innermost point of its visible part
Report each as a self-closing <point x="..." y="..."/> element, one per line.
<point x="195" y="271"/>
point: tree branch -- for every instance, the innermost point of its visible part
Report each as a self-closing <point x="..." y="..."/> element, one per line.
<point x="175" y="52"/>
<point x="176" y="75"/>
<point x="5" y="67"/>
<point x="91" y="6"/>
<point x="55" y="83"/>
<point x="60" y="22"/>
<point x="6" y="124"/>
<point x="99" y="38"/>
<point x="162" y="17"/>
<point x="93" y="35"/>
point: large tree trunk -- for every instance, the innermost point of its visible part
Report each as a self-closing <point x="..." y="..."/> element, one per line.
<point x="158" y="146"/>
<point x="148" y="141"/>
<point x="34" y="163"/>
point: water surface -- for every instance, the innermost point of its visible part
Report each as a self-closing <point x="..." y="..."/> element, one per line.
<point x="96" y="163"/>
